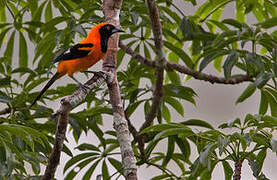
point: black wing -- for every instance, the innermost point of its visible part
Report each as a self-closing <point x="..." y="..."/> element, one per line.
<point x="74" y="52"/>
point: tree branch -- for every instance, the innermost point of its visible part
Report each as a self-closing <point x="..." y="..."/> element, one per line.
<point x="237" y="174"/>
<point x="111" y="10"/>
<point x="63" y="112"/>
<point x="185" y="70"/>
<point x="158" y="91"/>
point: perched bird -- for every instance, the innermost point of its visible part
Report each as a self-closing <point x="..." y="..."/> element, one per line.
<point x="83" y="55"/>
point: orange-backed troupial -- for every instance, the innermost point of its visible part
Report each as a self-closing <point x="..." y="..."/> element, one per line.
<point x="83" y="55"/>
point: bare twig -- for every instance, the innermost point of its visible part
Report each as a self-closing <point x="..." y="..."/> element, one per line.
<point x="158" y="91"/>
<point x="185" y="70"/>
<point x="66" y="105"/>
<point x="111" y="9"/>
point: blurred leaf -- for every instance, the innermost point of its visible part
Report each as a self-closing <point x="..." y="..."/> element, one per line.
<point x="9" y="49"/>
<point x="186" y="59"/>
<point x="204" y="155"/>
<point x="86" y="146"/>
<point x="229" y="64"/>
<point x="23" y="54"/>
<point x="246" y="93"/>
<point x="175" y="104"/>
<point x="262" y="79"/>
<point x="89" y="172"/>
<point x="263" y="103"/>
<point x="197" y="122"/>
<point x="212" y="57"/>
<point x="269" y="23"/>
<point x="105" y="172"/>
<point x="78" y="158"/>
<point x="165" y="113"/>
<point x="116" y="164"/>
<point x="228" y="171"/>
<point x="48" y="12"/>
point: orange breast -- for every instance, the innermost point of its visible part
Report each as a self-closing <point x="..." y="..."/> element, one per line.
<point x="81" y="64"/>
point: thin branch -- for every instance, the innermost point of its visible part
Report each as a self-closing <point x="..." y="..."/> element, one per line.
<point x="185" y="70"/>
<point x="158" y="39"/>
<point x="63" y="112"/>
<point x="111" y="10"/>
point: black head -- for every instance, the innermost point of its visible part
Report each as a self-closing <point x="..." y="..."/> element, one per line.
<point x="105" y="33"/>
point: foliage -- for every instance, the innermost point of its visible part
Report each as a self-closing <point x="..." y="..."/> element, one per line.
<point x="229" y="44"/>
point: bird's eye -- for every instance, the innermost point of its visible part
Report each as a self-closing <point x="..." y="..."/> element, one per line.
<point x="108" y="28"/>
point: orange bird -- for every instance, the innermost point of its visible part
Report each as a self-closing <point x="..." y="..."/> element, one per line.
<point x="83" y="55"/>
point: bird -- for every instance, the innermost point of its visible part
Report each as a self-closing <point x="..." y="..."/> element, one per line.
<point x="82" y="55"/>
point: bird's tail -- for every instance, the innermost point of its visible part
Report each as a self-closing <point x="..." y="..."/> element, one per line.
<point x="49" y="83"/>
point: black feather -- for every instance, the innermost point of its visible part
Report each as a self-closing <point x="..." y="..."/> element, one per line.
<point x="74" y="53"/>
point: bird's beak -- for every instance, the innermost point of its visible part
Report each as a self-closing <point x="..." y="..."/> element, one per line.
<point x="115" y="30"/>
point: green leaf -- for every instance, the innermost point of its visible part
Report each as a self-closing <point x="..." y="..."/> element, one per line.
<point x="179" y="92"/>
<point x="184" y="147"/>
<point x="228" y="171"/>
<point x="116" y="164"/>
<point x="269" y="23"/>
<point x="4" y="82"/>
<point x="89" y="172"/>
<point x="263" y="103"/>
<point x="3" y="35"/>
<point x="166" y="113"/>
<point x="229" y="64"/>
<point x="35" y="83"/>
<point x="85" y="146"/>
<point x="211" y="57"/>
<point x="197" y="122"/>
<point x="9" y="50"/>
<point x="246" y="93"/>
<point x="48" y="12"/>
<point x="263" y="79"/>
<point x="240" y="8"/>
<point x="260" y="159"/>
<point x="105" y="172"/>
<point x="174" y="77"/>
<point x="186" y="59"/>
<point x="78" y="158"/>
<point x="175" y="104"/>
<point x="170" y="151"/>
<point x="23" y="54"/>
<point x="204" y="155"/>
<point x="186" y="27"/>
<point x="272" y="100"/>
<point x="51" y="24"/>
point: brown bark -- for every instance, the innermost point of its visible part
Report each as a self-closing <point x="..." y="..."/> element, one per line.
<point x="66" y="105"/>
<point x="237" y="175"/>
<point x="158" y="91"/>
<point x="111" y="9"/>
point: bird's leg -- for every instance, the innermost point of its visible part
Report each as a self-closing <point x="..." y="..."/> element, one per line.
<point x="80" y="85"/>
